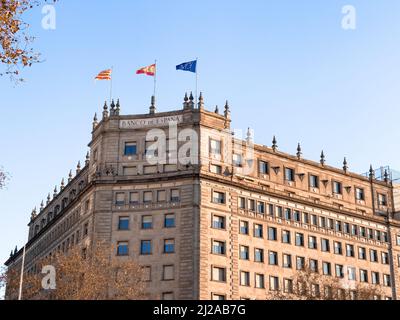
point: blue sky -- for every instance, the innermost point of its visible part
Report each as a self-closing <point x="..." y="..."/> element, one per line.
<point x="287" y="68"/>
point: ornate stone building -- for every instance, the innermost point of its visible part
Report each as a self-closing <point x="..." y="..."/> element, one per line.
<point x="212" y="216"/>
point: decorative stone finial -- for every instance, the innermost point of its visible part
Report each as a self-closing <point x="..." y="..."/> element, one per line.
<point x="87" y="159"/>
<point x="386" y="176"/>
<point x="33" y="214"/>
<point x="55" y="192"/>
<point x="112" y="108"/>
<point x="201" y="101"/>
<point x="371" y="173"/>
<point x="41" y="206"/>
<point x="299" y="153"/>
<point x="274" y="144"/>
<point x="95" y="122"/>
<point x="118" y="109"/>
<point x="322" y="161"/>
<point x="345" y="166"/>
<point x="105" y="111"/>
<point x="186" y="102"/>
<point x="62" y="184"/>
<point x="78" y="167"/>
<point x="70" y="176"/>
<point x="16" y="250"/>
<point x="227" y="112"/>
<point x="216" y="109"/>
<point x="153" y="105"/>
<point x="48" y="198"/>
<point x="191" y="101"/>
<point x="249" y="135"/>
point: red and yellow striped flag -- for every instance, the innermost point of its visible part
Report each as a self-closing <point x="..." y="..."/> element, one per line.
<point x="149" y="71"/>
<point x="104" y="75"/>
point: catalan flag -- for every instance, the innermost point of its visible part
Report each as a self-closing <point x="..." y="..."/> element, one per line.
<point x="104" y="75"/>
<point x="149" y="71"/>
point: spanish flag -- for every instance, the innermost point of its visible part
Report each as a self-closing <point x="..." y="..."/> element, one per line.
<point x="104" y="75"/>
<point x="149" y="71"/>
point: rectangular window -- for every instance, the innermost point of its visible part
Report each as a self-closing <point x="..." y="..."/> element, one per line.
<point x="218" y="247"/>
<point x="169" y="246"/>
<point x="244" y="227"/>
<point x="337" y="187"/>
<point x="215" y="147"/>
<point x="130" y="149"/>
<point x="297" y="216"/>
<point x="123" y="223"/>
<point x="120" y="198"/>
<point x="216" y="169"/>
<point x="382" y="199"/>
<point x="351" y="272"/>
<point x="242" y="203"/>
<point x="322" y="222"/>
<point x="339" y="271"/>
<point x="161" y="196"/>
<point x="252" y="205"/>
<point x="346" y="228"/>
<point x="273" y="258"/>
<point x="299" y="239"/>
<point x="145" y="247"/>
<point x="263" y="167"/>
<point x="123" y="249"/>
<point x="326" y="268"/>
<point x="338" y="226"/>
<point x="219" y="197"/>
<point x="175" y="196"/>
<point x="169" y="220"/>
<point x="325" y="245"/>
<point x="360" y="195"/>
<point x="373" y="255"/>
<point x="218" y="274"/>
<point x="271" y="209"/>
<point x="261" y="207"/>
<point x="259" y="281"/>
<point x="314" y="220"/>
<point x="148" y="197"/>
<point x="362" y="253"/>
<point x="217" y="297"/>
<point x="286" y="236"/>
<point x="363" y="276"/>
<point x="314" y="181"/>
<point x="287" y="261"/>
<point x="288" y="286"/>
<point x="147" y="222"/>
<point x="134" y="198"/>
<point x="354" y="230"/>
<point x="168" y="273"/>
<point x="237" y="160"/>
<point x="386" y="280"/>
<point x="146" y="273"/>
<point x="272" y="234"/>
<point x="300" y="263"/>
<point x="258" y="231"/>
<point x="245" y="278"/>
<point x="244" y="253"/>
<point x="289" y="174"/>
<point x="375" y="278"/>
<point x="306" y="218"/>
<point x="363" y="232"/>
<point x="385" y="258"/>
<point x="312" y="242"/>
<point x="288" y="214"/>
<point x="349" y="250"/>
<point x="279" y="212"/>
<point x="314" y="265"/>
<point x="273" y="283"/>
<point x="338" y="248"/>
<point x="218" y="222"/>
<point x="258" y="255"/>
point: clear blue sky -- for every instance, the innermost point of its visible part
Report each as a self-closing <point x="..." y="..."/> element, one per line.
<point x="287" y="68"/>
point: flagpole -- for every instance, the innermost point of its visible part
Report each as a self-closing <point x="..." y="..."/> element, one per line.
<point x="155" y="78"/>
<point x="111" y="83"/>
<point x="197" y="79"/>
<point x="22" y="275"/>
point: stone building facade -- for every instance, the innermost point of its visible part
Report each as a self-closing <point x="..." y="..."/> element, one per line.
<point x="212" y="216"/>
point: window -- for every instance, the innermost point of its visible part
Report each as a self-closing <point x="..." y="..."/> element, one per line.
<point x="147" y="222"/>
<point x="378" y="235"/>
<point x="273" y="258"/>
<point x="148" y="197"/>
<point x="287" y="261"/>
<point x="273" y="283"/>
<point x="297" y="216"/>
<point x="272" y="234"/>
<point x="242" y="203"/>
<point x="314" y="220"/>
<point x="168" y="273"/>
<point x="351" y="272"/>
<point x="258" y="255"/>
<point x="146" y="273"/>
<point x="237" y="160"/>
<point x="363" y="275"/>
<point x="326" y="268"/>
<point x="169" y="246"/>
<point x="286" y="236"/>
<point x="169" y="220"/>
<point x="288" y="214"/>
<point x="362" y="232"/>
<point x="337" y="187"/>
<point x="244" y="253"/>
<point x="330" y="224"/>
<point x="373" y="255"/>
<point x="346" y="228"/>
<point x="161" y="196"/>
<point x="314" y="265"/>
<point x="299" y="239"/>
<point x="306" y="219"/>
<point x="252" y="205"/>
<point x="289" y="174"/>
<point x="279" y="212"/>
<point x="354" y="230"/>
<point x="339" y="271"/>
<point x="315" y="290"/>
<point x="322" y="222"/>
<point x="337" y="247"/>
<point x="386" y="280"/>
<point x="145" y="247"/>
<point x="167" y="296"/>
<point x="134" y="198"/>
<point x="398" y="239"/>
<point x="338" y="226"/>
<point x="370" y="234"/>
<point x="175" y="195"/>
<point x="86" y="229"/>
<point x="244" y="227"/>
<point x="349" y="250"/>
<point x="122" y="249"/>
<point x="219" y="197"/>
<point x="218" y="247"/>
<point x="263" y="167"/>
<point x="288" y="285"/>
<point x="360" y="195"/>
<point x="375" y="278"/>
<point x="216" y="169"/>
<point x="261" y="207"/>
<point x="130" y="149"/>
<point x="218" y="297"/>
<point x="218" y="222"/>
<point x="312" y="242"/>
<point x="382" y="199"/>
<point x="120" y="199"/>
<point x="218" y="274"/>
<point x="258" y="231"/>
<point x="300" y="263"/>
<point x="385" y="258"/>
<point x="245" y="278"/>
<point x="314" y="181"/>
<point x="271" y="209"/>
<point x="385" y="237"/>
<point x="362" y="253"/>
<point x="259" y="281"/>
<point x="215" y="147"/>
<point x="123" y="223"/>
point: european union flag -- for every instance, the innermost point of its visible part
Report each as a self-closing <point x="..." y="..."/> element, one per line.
<point x="188" y="66"/>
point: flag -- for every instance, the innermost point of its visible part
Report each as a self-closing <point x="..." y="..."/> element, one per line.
<point x="104" y="75"/>
<point x="188" y="66"/>
<point x="149" y="71"/>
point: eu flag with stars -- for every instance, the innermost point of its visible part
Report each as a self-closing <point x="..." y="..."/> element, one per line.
<point x="188" y="66"/>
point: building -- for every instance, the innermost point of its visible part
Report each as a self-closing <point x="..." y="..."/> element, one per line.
<point x="213" y="216"/>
